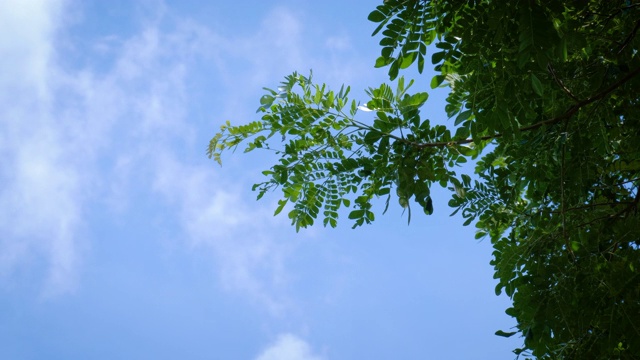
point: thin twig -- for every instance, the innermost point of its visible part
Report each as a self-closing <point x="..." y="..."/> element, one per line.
<point x="630" y="37"/>
<point x="588" y="206"/>
<point x="560" y="83"/>
<point x="632" y="205"/>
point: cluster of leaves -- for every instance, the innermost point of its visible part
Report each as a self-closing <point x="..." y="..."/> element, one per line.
<point x="552" y="86"/>
<point x="328" y="159"/>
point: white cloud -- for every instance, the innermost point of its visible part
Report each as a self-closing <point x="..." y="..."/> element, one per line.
<point x="248" y="255"/>
<point x="283" y="43"/>
<point x="288" y="347"/>
<point x="27" y="28"/>
<point x="338" y="43"/>
<point x="132" y="115"/>
<point x="54" y="125"/>
<point x="39" y="207"/>
<point x="74" y="138"/>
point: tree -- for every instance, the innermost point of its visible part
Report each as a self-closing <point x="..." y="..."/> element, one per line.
<point x="544" y="98"/>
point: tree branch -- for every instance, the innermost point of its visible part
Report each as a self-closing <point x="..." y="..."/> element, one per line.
<point x="590" y="206"/>
<point x="568" y="114"/>
<point x="630" y="37"/>
<point x="560" y="83"/>
<point x="633" y="205"/>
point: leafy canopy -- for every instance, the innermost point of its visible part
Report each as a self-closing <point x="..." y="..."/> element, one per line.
<point x="544" y="97"/>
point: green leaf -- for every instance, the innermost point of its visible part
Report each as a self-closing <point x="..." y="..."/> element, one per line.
<point x="420" y="63"/>
<point x="281" y="204"/>
<point x="408" y="59"/>
<point x="416" y="100"/>
<point x="383" y="146"/>
<point x="444" y="45"/>
<point x="537" y="85"/>
<point x="436" y="58"/>
<point x="436" y="81"/>
<point x="382" y="62"/>
<point x="372" y="137"/>
<point x="523" y="59"/>
<point x="376" y="16"/>
<point x="267" y="100"/>
<point x="480" y="235"/>
<point x="463" y="116"/>
<point x="356" y="214"/>
<point x="505" y="334"/>
<point x="393" y="70"/>
<point x="428" y="209"/>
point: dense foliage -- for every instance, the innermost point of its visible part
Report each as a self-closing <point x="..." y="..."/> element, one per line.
<point x="544" y="95"/>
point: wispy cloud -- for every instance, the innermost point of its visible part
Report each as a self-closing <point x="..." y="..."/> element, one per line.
<point x="56" y="124"/>
<point x="288" y="347"/>
<point x="248" y="255"/>
<point x="80" y="137"/>
<point x="39" y="206"/>
<point x="284" y="42"/>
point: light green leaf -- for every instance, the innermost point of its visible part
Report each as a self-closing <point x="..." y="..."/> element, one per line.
<point x="267" y="100"/>
<point x="281" y="204"/>
<point x="382" y="61"/>
<point x="408" y="59"/>
<point x="437" y="80"/>
<point x="416" y="100"/>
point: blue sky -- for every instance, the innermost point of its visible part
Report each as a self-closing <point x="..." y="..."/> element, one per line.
<point x="119" y="239"/>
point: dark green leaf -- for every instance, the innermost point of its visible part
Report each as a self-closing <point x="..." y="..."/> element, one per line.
<point x="376" y="16"/>
<point x="428" y="209"/>
<point x="537" y="85"/>
<point x="356" y="214"/>
<point x="463" y="116"/>
<point x="436" y="58"/>
<point x="372" y="137"/>
<point x="505" y="334"/>
<point x="393" y="71"/>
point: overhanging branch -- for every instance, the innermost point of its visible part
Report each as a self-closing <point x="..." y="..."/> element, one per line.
<point x="568" y="114"/>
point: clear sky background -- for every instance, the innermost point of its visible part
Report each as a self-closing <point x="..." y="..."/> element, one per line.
<point x="119" y="239"/>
